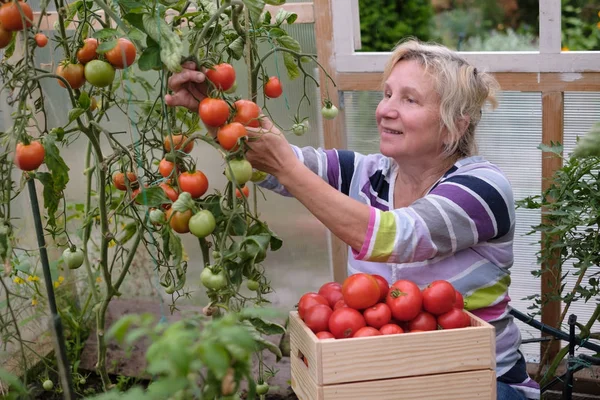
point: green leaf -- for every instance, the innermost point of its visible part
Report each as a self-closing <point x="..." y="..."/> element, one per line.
<point x="84" y="100"/>
<point x="119" y="329"/>
<point x="175" y="247"/>
<point x="105" y="33"/>
<point x="237" y="48"/>
<point x="215" y="357"/>
<point x="75" y="113"/>
<point x="265" y="344"/>
<point x="282" y="16"/>
<point x="50" y="197"/>
<point x="289" y="42"/>
<point x="292" y="18"/>
<point x="554" y="147"/>
<point x="291" y="66"/>
<point x="56" y="183"/>
<point x="9" y="51"/>
<point x="5" y="246"/>
<point x="267" y="327"/>
<point x="255" y="9"/>
<point x="152" y="197"/>
<point x="131" y="6"/>
<point x="267" y="18"/>
<point x="106" y="46"/>
<point x="275" y="2"/>
<point x="134" y="19"/>
<point x="59" y="133"/>
<point x="275" y="242"/>
<point x="13" y="382"/>
<point x="150" y="59"/>
<point x="164" y="388"/>
<point x="277" y="32"/>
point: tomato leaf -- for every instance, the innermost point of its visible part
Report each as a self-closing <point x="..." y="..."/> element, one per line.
<point x="106" y="46"/>
<point x="75" y="113"/>
<point x="119" y="329"/>
<point x="105" y="34"/>
<point x="266" y="327"/>
<point x="289" y="42"/>
<point x="275" y="242"/>
<point x="277" y="32"/>
<point x="215" y="357"/>
<point x="84" y="100"/>
<point x="285" y="16"/>
<point x="12" y="381"/>
<point x="237" y="48"/>
<point x="291" y="66"/>
<point x="134" y="19"/>
<point x="131" y="6"/>
<point x="267" y="18"/>
<point x="255" y="8"/>
<point x="150" y="58"/>
<point x="164" y="388"/>
<point x="5" y="246"/>
<point x="152" y="197"/>
<point x="59" y="133"/>
<point x="275" y="2"/>
<point x="175" y="248"/>
<point x="55" y="181"/>
<point x="265" y="344"/>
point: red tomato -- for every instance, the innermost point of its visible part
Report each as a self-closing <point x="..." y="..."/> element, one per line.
<point x="339" y="304"/>
<point x="179" y="221"/>
<point x="178" y="140"/>
<point x="378" y="315"/>
<point x="455" y="318"/>
<point x="122" y="55"/>
<point x="317" y="317"/>
<point x="247" y="113"/>
<point x="309" y="300"/>
<point x="384" y="286"/>
<point x="11" y="18"/>
<point x="325" y="335"/>
<point x="41" y="40"/>
<point x="360" y="291"/>
<point x="169" y="191"/>
<point x="245" y="192"/>
<point x="195" y="183"/>
<point x="5" y="37"/>
<point x="29" y="156"/>
<point x="367" y="331"/>
<point x="439" y="297"/>
<point x="332" y="291"/>
<point x="273" y="87"/>
<point x="119" y="180"/>
<point x="213" y="112"/>
<point x="344" y="322"/>
<point x="87" y="52"/>
<point x="423" y="322"/>
<point x="404" y="299"/>
<point x="391" y="329"/>
<point x="229" y="134"/>
<point x="416" y="330"/>
<point x="165" y="167"/>
<point x="222" y="75"/>
<point x="73" y="73"/>
<point x="460" y="301"/>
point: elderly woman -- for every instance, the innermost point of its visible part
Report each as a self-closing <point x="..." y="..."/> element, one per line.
<point x="427" y="207"/>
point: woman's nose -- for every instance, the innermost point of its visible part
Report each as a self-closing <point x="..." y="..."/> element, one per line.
<point x="387" y="110"/>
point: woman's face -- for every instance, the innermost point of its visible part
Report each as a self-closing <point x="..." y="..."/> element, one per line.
<point x="408" y="116"/>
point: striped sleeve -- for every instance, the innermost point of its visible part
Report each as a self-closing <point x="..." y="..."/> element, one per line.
<point x="336" y="167"/>
<point x="463" y="210"/>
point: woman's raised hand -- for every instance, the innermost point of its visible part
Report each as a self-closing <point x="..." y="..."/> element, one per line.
<point x="188" y="86"/>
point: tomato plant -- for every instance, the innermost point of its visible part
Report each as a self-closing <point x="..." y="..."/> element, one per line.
<point x="87" y="52"/>
<point x="213" y="112"/>
<point x="179" y="140"/>
<point x="73" y="73"/>
<point x="99" y="73"/>
<point x="29" y="157"/>
<point x="41" y="40"/>
<point x="202" y="224"/>
<point x="194" y="183"/>
<point x="119" y="180"/>
<point x="246" y="113"/>
<point x="222" y="76"/>
<point x="122" y="55"/>
<point x="244" y="193"/>
<point x="239" y="170"/>
<point x="73" y="258"/>
<point x="360" y="291"/>
<point x="329" y="111"/>
<point x="12" y="18"/>
<point x="179" y="221"/>
<point x="229" y="134"/>
<point x="273" y="88"/>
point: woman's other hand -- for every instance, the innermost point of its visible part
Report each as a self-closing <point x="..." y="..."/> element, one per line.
<point x="269" y="150"/>
<point x="188" y="86"/>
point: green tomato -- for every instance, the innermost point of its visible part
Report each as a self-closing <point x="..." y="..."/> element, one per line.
<point x="73" y="259"/>
<point x="300" y="128"/>
<point x="202" y="224"/>
<point x="48" y="384"/>
<point x="329" y="111"/>
<point x="157" y="217"/>
<point x="242" y="171"/>
<point x="262" y="389"/>
<point x="252" y="284"/>
<point x="99" y="73"/>
<point x="82" y="381"/>
<point x="213" y="280"/>
<point x="258" y="176"/>
<point x="170" y="289"/>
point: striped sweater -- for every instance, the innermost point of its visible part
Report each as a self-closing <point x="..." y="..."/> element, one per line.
<point x="460" y="231"/>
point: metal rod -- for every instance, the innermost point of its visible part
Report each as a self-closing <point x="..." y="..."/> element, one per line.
<point x="568" y="387"/>
<point x="56" y="323"/>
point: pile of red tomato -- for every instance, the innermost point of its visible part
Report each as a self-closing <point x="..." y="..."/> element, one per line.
<point x="366" y="305"/>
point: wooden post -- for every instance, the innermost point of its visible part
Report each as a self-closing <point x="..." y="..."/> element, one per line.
<point x="333" y="129"/>
<point x="552" y="131"/>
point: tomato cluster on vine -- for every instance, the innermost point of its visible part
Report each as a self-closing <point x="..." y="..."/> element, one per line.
<point x="366" y="305"/>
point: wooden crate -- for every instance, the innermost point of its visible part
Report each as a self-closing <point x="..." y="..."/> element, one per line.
<point x="446" y="364"/>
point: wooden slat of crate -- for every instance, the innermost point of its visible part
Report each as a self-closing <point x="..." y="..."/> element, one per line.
<point x="394" y="356"/>
<point x="470" y="385"/>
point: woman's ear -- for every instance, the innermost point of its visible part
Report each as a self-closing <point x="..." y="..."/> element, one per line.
<point x="463" y="124"/>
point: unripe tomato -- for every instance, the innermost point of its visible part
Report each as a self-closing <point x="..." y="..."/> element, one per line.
<point x="222" y="75"/>
<point x="48" y="385"/>
<point x="29" y="157"/>
<point x="213" y="280"/>
<point x="202" y="224"/>
<point x="242" y="171"/>
<point x="273" y="87"/>
<point x="329" y="111"/>
<point x="195" y="183"/>
<point x="119" y="180"/>
<point x="11" y="17"/>
<point x="122" y="55"/>
<point x="87" y="52"/>
<point x="99" y="73"/>
<point x="252" y="285"/>
<point x="178" y="140"/>
<point x="213" y="112"/>
<point x="73" y="259"/>
<point x="73" y="73"/>
<point x="300" y="128"/>
<point x="262" y="389"/>
<point x="41" y="40"/>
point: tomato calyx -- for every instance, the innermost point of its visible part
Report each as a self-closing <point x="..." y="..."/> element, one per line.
<point x="395" y="293"/>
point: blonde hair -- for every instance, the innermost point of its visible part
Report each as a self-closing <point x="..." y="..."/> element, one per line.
<point x="463" y="90"/>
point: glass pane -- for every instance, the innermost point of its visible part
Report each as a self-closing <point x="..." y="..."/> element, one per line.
<point x="470" y="25"/>
<point x="580" y="25"/>
<point x="581" y="111"/>
<point x="508" y="137"/>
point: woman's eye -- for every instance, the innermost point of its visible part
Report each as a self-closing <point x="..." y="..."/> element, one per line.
<point x="387" y="95"/>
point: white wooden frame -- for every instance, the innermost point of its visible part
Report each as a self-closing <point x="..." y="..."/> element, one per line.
<point x="549" y="58"/>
